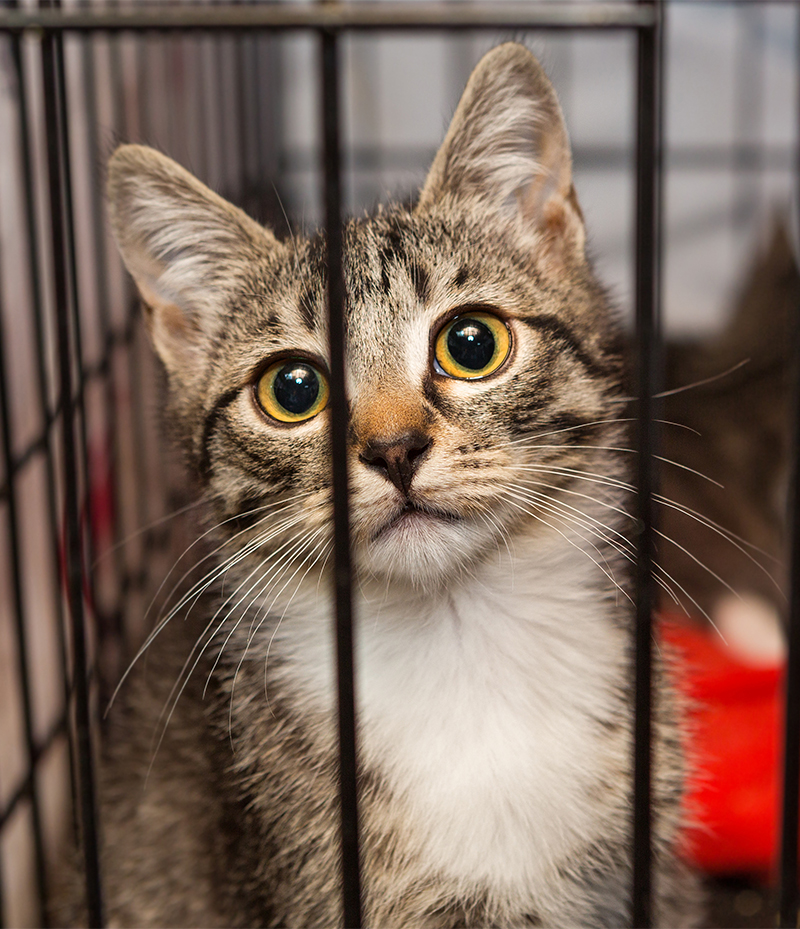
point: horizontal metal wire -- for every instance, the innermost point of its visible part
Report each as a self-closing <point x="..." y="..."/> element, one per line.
<point x="89" y="373"/>
<point x="367" y="15"/>
<point x="38" y="750"/>
<point x="707" y="157"/>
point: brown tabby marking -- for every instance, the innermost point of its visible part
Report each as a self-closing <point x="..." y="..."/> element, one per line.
<point x="493" y="620"/>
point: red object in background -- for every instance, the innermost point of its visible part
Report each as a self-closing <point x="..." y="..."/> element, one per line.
<point x="735" y="739"/>
<point x="96" y="512"/>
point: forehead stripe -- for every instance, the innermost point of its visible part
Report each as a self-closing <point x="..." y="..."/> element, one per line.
<point x="421" y="283"/>
<point x="307" y="307"/>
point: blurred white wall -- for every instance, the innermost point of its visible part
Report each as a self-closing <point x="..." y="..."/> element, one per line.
<point x="730" y="79"/>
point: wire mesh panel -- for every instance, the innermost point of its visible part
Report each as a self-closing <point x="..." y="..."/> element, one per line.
<point x="92" y="544"/>
<point x="88" y="491"/>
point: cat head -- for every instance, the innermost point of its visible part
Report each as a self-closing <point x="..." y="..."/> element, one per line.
<point x="482" y="359"/>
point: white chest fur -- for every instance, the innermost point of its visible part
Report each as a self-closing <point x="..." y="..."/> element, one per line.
<point x="480" y="706"/>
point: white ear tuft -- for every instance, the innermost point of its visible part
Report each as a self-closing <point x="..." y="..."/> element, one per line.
<point x="183" y="244"/>
<point x="507" y="152"/>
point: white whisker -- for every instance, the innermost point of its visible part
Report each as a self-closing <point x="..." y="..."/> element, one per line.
<point x="148" y="528"/>
<point x="201" y="585"/>
<point x="538" y="516"/>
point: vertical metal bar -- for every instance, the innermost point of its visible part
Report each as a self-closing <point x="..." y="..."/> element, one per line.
<point x="210" y="117"/>
<point x="789" y="903"/>
<point x="72" y="277"/>
<point x="42" y="378"/>
<point x="249" y="53"/>
<point x="119" y="110"/>
<point x="351" y="880"/>
<point x="246" y="79"/>
<point x="33" y="257"/>
<point x="243" y="186"/>
<point x="647" y="368"/>
<point x="60" y="231"/>
<point x="60" y="87"/>
<point x="789" y="897"/>
<point x="262" y="173"/>
<point x="142" y="95"/>
<point x="222" y="108"/>
<point x="3" y="920"/>
<point x="18" y="600"/>
<point x="194" y="82"/>
<point x="747" y="163"/>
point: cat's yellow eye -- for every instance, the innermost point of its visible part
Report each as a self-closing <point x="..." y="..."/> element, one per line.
<point x="472" y="345"/>
<point x="292" y="390"/>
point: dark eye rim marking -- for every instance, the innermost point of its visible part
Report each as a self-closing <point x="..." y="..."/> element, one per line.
<point x="249" y="459"/>
<point x="312" y="361"/>
<point x="211" y="422"/>
<point x="210" y="427"/>
<point x="467" y="310"/>
<point x="559" y="330"/>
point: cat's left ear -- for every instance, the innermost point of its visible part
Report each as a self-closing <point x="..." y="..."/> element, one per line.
<point x="507" y="153"/>
<point x="186" y="247"/>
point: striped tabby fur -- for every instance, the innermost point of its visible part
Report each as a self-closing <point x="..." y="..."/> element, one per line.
<point x="488" y="517"/>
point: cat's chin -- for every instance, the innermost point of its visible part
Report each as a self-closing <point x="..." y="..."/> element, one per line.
<point x="422" y="547"/>
<point x="414" y="522"/>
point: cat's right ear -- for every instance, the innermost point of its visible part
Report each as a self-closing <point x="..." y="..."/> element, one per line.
<point x="183" y="245"/>
<point x="507" y="155"/>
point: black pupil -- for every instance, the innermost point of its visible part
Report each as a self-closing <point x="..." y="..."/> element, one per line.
<point x="471" y="344"/>
<point x="296" y="387"/>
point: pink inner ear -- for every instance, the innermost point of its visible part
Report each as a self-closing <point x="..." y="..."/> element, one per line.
<point x="175" y="333"/>
<point x="554" y="218"/>
<point x="558" y="219"/>
<point x="174" y="322"/>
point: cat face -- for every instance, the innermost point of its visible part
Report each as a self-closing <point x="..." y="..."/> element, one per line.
<point x="481" y="358"/>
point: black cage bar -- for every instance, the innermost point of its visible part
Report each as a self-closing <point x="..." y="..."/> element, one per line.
<point x="789" y="908"/>
<point x="65" y="382"/>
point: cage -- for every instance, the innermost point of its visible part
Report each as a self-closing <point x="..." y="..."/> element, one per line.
<point x="677" y="195"/>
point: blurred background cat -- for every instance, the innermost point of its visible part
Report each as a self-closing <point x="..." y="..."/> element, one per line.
<point x="728" y="418"/>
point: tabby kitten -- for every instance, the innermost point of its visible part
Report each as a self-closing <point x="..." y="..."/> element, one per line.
<point x="488" y="515"/>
